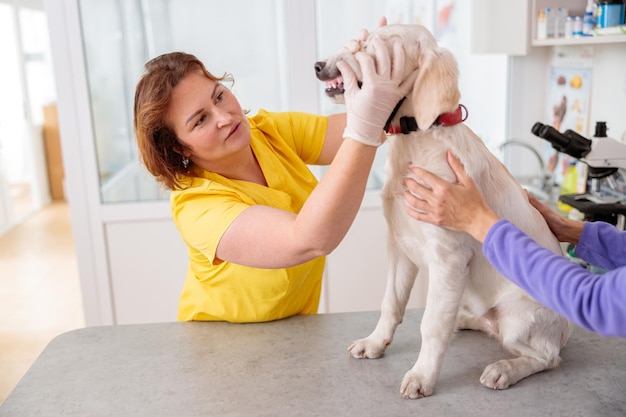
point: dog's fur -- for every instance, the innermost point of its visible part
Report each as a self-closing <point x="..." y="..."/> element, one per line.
<point x="464" y="291"/>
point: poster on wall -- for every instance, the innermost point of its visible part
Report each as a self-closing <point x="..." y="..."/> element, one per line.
<point x="418" y="12"/>
<point x="446" y="22"/>
<point x="567" y="107"/>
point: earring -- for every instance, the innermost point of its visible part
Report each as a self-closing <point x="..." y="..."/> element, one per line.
<point x="185" y="162"/>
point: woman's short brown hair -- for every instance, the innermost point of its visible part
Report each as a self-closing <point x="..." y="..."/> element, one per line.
<point x="159" y="147"/>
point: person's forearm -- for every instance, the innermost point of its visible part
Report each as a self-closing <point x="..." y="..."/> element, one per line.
<point x="331" y="208"/>
<point x="481" y="224"/>
<point x="592" y="301"/>
<point x="572" y="231"/>
<point x="565" y="230"/>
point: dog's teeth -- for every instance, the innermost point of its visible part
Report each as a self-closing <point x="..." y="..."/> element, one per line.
<point x="335" y="83"/>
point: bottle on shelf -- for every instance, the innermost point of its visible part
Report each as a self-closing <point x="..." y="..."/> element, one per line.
<point x="560" y="19"/>
<point x="589" y="20"/>
<point x="542" y="24"/>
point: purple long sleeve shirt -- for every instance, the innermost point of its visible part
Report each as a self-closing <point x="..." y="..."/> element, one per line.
<point x="595" y="302"/>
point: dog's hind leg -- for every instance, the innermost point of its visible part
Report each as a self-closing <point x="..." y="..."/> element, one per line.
<point x="532" y="333"/>
<point x="448" y="275"/>
<point x="401" y="275"/>
<point x="487" y="323"/>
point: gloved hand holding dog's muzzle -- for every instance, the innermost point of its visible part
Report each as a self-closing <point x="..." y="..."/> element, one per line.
<point x="369" y="106"/>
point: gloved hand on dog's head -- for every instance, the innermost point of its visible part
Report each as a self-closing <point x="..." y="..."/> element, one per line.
<point x="356" y="44"/>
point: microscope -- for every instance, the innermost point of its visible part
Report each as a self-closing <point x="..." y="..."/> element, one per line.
<point x="604" y="157"/>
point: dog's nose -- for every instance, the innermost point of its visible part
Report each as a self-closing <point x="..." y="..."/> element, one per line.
<point x="319" y="66"/>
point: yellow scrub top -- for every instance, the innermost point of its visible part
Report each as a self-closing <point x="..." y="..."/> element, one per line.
<point x="283" y="143"/>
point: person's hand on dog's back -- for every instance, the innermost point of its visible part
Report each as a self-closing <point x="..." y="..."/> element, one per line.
<point x="460" y="207"/>
<point x="565" y="230"/>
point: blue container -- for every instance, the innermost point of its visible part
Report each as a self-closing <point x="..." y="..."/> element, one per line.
<point x="610" y="13"/>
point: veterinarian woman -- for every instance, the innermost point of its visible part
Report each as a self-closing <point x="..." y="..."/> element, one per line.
<point x="256" y="222"/>
<point x="595" y="302"/>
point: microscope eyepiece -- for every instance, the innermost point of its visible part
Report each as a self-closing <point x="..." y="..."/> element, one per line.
<point x="536" y="129"/>
<point x="568" y="142"/>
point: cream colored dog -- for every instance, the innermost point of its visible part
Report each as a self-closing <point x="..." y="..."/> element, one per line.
<point x="464" y="290"/>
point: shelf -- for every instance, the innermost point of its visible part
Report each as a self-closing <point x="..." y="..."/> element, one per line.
<point x="580" y="40"/>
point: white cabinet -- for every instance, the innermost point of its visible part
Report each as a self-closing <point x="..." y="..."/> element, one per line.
<point x="575" y="8"/>
<point x="148" y="263"/>
<point x="510" y="27"/>
<point x="499" y="27"/>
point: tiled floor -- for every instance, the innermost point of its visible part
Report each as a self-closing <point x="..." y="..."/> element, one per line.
<point x="39" y="290"/>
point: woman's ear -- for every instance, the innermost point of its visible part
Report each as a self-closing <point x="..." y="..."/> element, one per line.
<point x="180" y="149"/>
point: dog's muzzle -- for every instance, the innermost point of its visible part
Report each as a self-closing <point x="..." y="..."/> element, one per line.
<point x="333" y="79"/>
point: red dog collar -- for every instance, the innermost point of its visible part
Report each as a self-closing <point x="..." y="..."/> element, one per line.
<point x="409" y="124"/>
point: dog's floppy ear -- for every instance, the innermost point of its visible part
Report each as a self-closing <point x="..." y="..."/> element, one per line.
<point x="436" y="89"/>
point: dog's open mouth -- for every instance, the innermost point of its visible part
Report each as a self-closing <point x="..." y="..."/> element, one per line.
<point x="333" y="79"/>
<point x="334" y="87"/>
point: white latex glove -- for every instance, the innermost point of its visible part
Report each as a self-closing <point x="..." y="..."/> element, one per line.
<point x="356" y="44"/>
<point x="369" y="107"/>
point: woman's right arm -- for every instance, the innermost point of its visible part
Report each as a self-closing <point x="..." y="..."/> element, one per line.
<point x="266" y="237"/>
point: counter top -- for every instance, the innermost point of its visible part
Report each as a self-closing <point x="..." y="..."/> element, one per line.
<point x="300" y="367"/>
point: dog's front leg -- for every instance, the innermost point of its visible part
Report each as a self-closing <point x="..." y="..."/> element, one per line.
<point x="448" y="276"/>
<point x="401" y="275"/>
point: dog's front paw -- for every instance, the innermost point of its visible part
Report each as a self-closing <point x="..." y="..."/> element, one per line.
<point x="414" y="385"/>
<point x="499" y="375"/>
<point x="368" y="348"/>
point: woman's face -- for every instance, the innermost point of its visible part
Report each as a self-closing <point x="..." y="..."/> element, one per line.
<point x="208" y="120"/>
